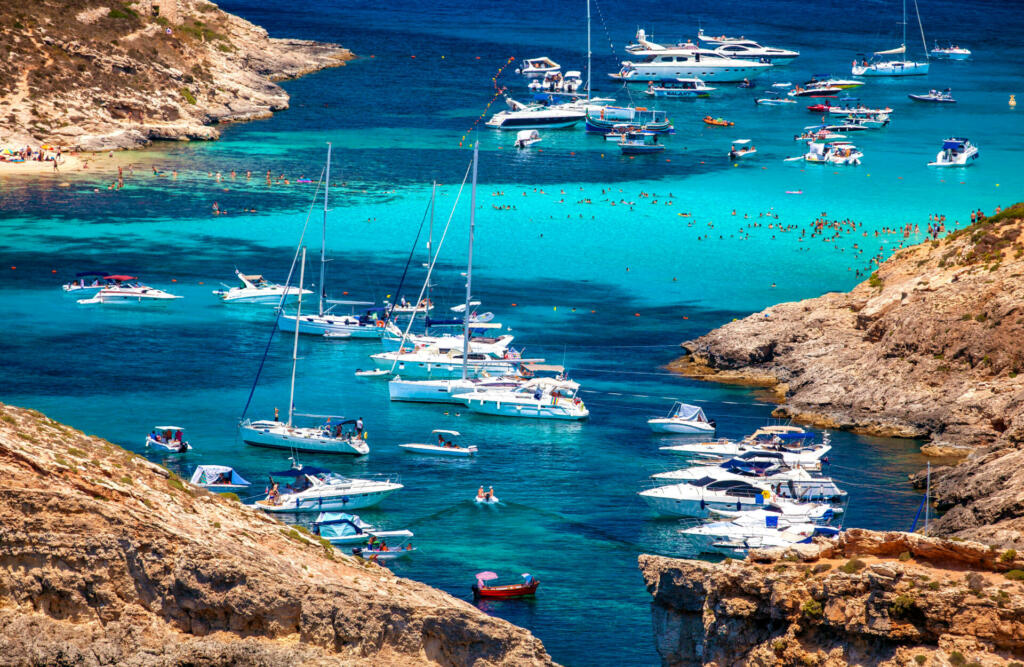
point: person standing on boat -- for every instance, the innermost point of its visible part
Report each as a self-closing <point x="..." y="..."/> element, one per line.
<point x="359" y="427"/>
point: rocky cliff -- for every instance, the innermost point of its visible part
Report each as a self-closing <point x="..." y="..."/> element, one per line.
<point x="106" y="558"/>
<point x="102" y="74"/>
<point x="869" y="599"/>
<point x="931" y="346"/>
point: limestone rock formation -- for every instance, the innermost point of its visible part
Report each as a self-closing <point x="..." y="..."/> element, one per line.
<point x="932" y="346"/>
<point x="98" y="74"/>
<point x="869" y="598"/>
<point x="106" y="558"/>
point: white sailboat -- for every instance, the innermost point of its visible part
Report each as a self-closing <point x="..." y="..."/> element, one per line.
<point x="321" y="439"/>
<point x="326" y="322"/>
<point x="881" y="66"/>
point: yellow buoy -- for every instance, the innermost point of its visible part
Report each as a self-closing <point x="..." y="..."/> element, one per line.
<point x="1013" y="100"/>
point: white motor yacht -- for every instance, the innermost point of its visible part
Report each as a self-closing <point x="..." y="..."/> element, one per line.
<point x="759" y="529"/>
<point x="570" y="83"/>
<point x="527" y="138"/>
<point x="257" y="289"/>
<point x="319" y="490"/>
<point x="682" y="418"/>
<point x="788" y="482"/>
<point x="956" y="152"/>
<point x="539" y="398"/>
<point x="833" y="152"/>
<point x="792" y="443"/>
<point x="127" y="289"/>
<point x="951" y="52"/>
<point x="702" y="497"/>
<point x="443" y="447"/>
<point x="403" y="306"/>
<point x="727" y="47"/>
<point x="655" y="62"/>
<point x="521" y="116"/>
<point x="537" y="67"/>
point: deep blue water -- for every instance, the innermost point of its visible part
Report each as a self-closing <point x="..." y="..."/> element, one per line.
<point x="609" y="290"/>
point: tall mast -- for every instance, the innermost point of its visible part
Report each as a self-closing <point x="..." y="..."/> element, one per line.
<point x="904" y="43"/>
<point x="295" y="345"/>
<point x="430" y="246"/>
<point x="588" y="50"/>
<point x="469" y="265"/>
<point x="323" y="234"/>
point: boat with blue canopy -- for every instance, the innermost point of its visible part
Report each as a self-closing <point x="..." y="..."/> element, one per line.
<point x="217" y="478"/>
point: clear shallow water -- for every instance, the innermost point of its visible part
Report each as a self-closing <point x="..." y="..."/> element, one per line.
<point x="571" y="516"/>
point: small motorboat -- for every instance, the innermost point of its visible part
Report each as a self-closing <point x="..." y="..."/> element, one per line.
<point x="171" y="438"/>
<point x="538" y="67"/>
<point x="640" y="143"/>
<point x="377" y="547"/>
<point x="816" y="90"/>
<point x="682" y="418"/>
<point x="527" y="588"/>
<point x="443" y="447"/>
<point x="678" y="88"/>
<point x="817" y="133"/>
<point x="218" y="478"/>
<point x="487" y="498"/>
<point x="618" y="132"/>
<point x="556" y="83"/>
<point x="936" y="96"/>
<point x="782" y="84"/>
<point x="527" y="138"/>
<point x="951" y="52"/>
<point x="956" y="152"/>
<point x="719" y="122"/>
<point x="371" y="373"/>
<point x="835" y="152"/>
<point x="741" y="148"/>
<point x="403" y="306"/>
<point x="772" y="99"/>
<point x="257" y="289"/>
<point x="746" y="83"/>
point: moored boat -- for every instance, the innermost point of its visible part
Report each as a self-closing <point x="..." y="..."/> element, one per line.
<point x="640" y="143"/>
<point x="956" y="152"/>
<point x="443" y="447"/>
<point x="935" y="96"/>
<point x="481" y="589"/>
<point x="170" y="438"/>
<point x="218" y="478"/>
<point x="319" y="490"/>
<point x="682" y="418"/>
<point x="257" y="289"/>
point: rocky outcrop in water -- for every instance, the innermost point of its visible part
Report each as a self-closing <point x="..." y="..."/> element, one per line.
<point x="100" y="74"/>
<point x="108" y="559"/>
<point x="931" y="346"/>
<point x="871" y="599"/>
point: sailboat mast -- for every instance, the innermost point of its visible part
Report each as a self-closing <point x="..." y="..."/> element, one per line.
<point x="295" y="344"/>
<point x="323" y="233"/>
<point x="430" y="245"/>
<point x="588" y="50"/>
<point x="469" y="264"/>
<point x="904" y="43"/>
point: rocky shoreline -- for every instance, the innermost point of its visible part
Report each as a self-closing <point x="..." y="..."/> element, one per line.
<point x="869" y="598"/>
<point x="930" y="347"/>
<point x="119" y="76"/>
<point x="106" y="558"/>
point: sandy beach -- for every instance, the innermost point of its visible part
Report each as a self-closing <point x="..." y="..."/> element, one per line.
<point x="67" y="164"/>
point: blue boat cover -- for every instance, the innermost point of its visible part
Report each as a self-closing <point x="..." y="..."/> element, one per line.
<point x="954" y="144"/>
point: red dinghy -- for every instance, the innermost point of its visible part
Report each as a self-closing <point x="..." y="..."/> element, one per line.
<point x="482" y="590"/>
<point x="818" y="107"/>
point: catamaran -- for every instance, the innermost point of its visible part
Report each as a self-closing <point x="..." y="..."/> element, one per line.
<point x="880" y="66"/>
<point x="257" y="289"/>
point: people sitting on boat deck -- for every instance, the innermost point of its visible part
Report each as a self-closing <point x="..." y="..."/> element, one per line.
<point x="480" y="495"/>
<point x="273" y="496"/>
<point x="490" y="493"/>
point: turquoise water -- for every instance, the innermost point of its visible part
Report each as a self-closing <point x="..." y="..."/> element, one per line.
<point x="608" y="290"/>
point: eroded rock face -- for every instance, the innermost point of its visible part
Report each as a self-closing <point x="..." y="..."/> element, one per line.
<point x="100" y="75"/>
<point x="105" y="559"/>
<point x="870" y="598"/>
<point x="931" y="347"/>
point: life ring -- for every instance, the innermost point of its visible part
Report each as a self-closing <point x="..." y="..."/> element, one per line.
<point x="379" y="323"/>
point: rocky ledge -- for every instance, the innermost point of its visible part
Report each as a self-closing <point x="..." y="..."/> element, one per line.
<point x="106" y="558"/>
<point x="100" y="75"/>
<point x="931" y="346"/>
<point x="869" y="598"/>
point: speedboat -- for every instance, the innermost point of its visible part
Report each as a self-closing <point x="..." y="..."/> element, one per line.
<point x="772" y="99"/>
<point x="322" y="439"/>
<point x="655" y="62"/>
<point x="758" y="529"/>
<point x="741" y="148"/>
<point x="951" y="52"/>
<point x="536" y="67"/>
<point x="956" y="152"/>
<point x="937" y="96"/>
<point x="640" y="143"/>
<point x="833" y="152"/>
<point x="218" y="478"/>
<point x="527" y="138"/>
<point x="678" y="88"/>
<point x="856" y="110"/>
<point x="377" y="547"/>
<point x="127" y="289"/>
<point x="481" y="589"/>
<point x="539" y="398"/>
<point x="701" y="497"/>
<point x="256" y="289"/>
<point x="817" y="133"/>
<point x="319" y="490"/>
<point x="521" y="116"/>
<point x="170" y="438"/>
<point x="555" y="82"/>
<point x="88" y="280"/>
<point x="790" y="442"/>
<point x="443" y="447"/>
<point x="606" y="118"/>
<point x="682" y="418"/>
<point x="787" y="481"/>
<point x="720" y="122"/>
<point x="818" y="90"/>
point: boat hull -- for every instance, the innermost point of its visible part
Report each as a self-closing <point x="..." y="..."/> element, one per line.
<point x="642" y="73"/>
<point x="680" y="507"/>
<point x="434" y="450"/>
<point x="259" y="437"/>
<point x="505" y="592"/>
